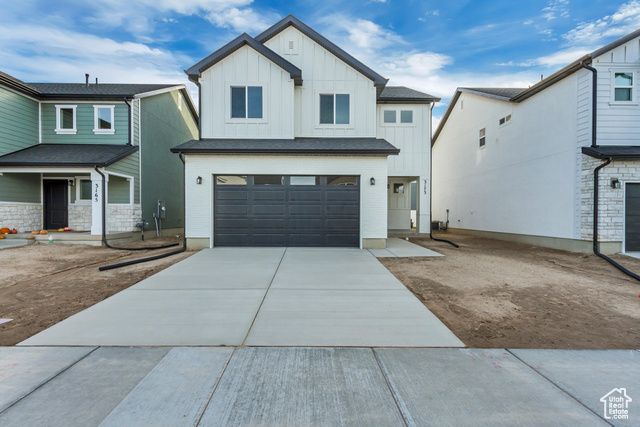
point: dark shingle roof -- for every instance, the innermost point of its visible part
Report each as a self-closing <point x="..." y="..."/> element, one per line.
<point x="502" y="93"/>
<point x="102" y="90"/>
<point x="309" y="146"/>
<point x="291" y="20"/>
<point x="19" y="85"/>
<point x="244" y="39"/>
<point x="68" y="155"/>
<point x="613" y="152"/>
<point x="400" y="94"/>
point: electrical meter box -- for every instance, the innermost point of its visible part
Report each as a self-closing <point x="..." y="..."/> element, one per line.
<point x="160" y="213"/>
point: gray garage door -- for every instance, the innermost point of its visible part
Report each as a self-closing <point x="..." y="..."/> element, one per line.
<point x="632" y="217"/>
<point x="277" y="210"/>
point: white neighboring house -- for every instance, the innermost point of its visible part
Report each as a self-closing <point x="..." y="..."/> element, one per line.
<point x="518" y="164"/>
<point x="302" y="145"/>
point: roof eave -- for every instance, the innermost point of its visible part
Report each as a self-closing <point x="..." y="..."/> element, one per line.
<point x="384" y="152"/>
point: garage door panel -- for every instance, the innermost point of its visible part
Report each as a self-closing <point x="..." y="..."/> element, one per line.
<point x="341" y="239"/>
<point x="312" y="210"/>
<point x="302" y="224"/>
<point x="228" y="194"/>
<point x="310" y="194"/>
<point x="227" y="239"/>
<point x="241" y="223"/>
<point x="346" y="210"/>
<point x="306" y="239"/>
<point x="346" y="195"/>
<point x="267" y="224"/>
<point x="268" y="239"/>
<point x="223" y="209"/>
<point x="268" y="210"/>
<point x="342" y="224"/>
<point x="269" y="195"/>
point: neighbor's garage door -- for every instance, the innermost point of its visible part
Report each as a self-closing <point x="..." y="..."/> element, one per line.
<point x="278" y="210"/>
<point x="632" y="217"/>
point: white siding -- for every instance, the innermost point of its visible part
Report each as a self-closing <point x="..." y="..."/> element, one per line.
<point x="373" y="201"/>
<point x="524" y="180"/>
<point x="322" y="72"/>
<point x="412" y="139"/>
<point x="618" y="124"/>
<point x="246" y="67"/>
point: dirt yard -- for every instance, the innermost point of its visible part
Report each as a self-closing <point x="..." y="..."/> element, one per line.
<point x="42" y="284"/>
<point x="494" y="294"/>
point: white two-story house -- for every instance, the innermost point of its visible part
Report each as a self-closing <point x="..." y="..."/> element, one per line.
<point x="520" y="164"/>
<point x="302" y="145"/>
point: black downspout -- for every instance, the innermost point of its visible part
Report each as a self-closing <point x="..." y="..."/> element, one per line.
<point x="104" y="223"/>
<point x="184" y="238"/>
<point x="594" y="143"/>
<point x="199" y="109"/>
<point x="431" y="185"/>
<point x="130" y="121"/>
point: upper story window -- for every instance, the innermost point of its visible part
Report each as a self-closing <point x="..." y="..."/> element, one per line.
<point x="103" y="119"/>
<point x="623" y="87"/>
<point x="406" y="116"/>
<point x="66" y="119"/>
<point x="505" y="120"/>
<point x="482" y="138"/>
<point x="391" y="117"/>
<point x="246" y="102"/>
<point x="334" y="109"/>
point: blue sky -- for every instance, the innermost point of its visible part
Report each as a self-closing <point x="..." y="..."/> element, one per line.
<point x="432" y="46"/>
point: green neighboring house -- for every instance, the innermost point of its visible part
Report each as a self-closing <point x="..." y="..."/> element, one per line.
<point x="57" y="140"/>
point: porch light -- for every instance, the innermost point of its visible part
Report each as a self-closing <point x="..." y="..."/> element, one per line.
<point x="199" y="180"/>
<point x="70" y="183"/>
<point x="373" y="181"/>
<point x="615" y="183"/>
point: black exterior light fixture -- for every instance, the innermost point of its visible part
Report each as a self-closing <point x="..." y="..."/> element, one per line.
<point x="373" y="181"/>
<point x="199" y="180"/>
<point x="71" y="183"/>
<point x="615" y="183"/>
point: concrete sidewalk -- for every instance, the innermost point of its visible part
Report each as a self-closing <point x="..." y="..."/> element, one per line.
<point x="260" y="297"/>
<point x="214" y="386"/>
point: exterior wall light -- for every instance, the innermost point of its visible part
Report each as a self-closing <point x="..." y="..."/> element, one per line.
<point x="199" y="180"/>
<point x="615" y="183"/>
<point x="70" y="183"/>
<point x="373" y="181"/>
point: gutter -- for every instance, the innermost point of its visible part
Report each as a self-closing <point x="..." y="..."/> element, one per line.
<point x="130" y="121"/>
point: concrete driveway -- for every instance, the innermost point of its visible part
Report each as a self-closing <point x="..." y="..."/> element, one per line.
<point x="260" y="297"/>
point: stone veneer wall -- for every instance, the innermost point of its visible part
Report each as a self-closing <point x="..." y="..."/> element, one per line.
<point x="21" y="216"/>
<point x="80" y="217"/>
<point x="611" y="200"/>
<point x="122" y="218"/>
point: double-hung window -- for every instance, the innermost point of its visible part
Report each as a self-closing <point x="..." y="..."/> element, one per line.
<point x="103" y="119"/>
<point x="482" y="137"/>
<point x="246" y="102"/>
<point x="334" y="109"/>
<point x="66" y="119"/>
<point x="623" y="87"/>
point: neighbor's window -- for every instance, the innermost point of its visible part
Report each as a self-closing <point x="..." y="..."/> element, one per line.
<point x="246" y="102"/>
<point x="406" y="116"/>
<point x="390" y="116"/>
<point x="505" y="120"/>
<point x="334" y="109"/>
<point x="623" y="86"/>
<point x="342" y="180"/>
<point x="304" y="180"/>
<point x="84" y="192"/>
<point x="268" y="180"/>
<point x="103" y="119"/>
<point x="66" y="119"/>
<point x="482" y="136"/>
<point x="231" y="180"/>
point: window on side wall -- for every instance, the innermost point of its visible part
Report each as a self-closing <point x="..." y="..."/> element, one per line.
<point x="482" y="137"/>
<point x="66" y="119"/>
<point x="504" y="120"/>
<point x="389" y="116"/>
<point x="406" y="116"/>
<point x="334" y="109"/>
<point x="84" y="190"/>
<point x="623" y="87"/>
<point x="103" y="119"/>
<point x="246" y="102"/>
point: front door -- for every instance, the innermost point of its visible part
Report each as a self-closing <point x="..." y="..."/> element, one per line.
<point x="56" y="207"/>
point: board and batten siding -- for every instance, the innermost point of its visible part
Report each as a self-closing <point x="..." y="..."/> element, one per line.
<point x="246" y="67"/>
<point x="618" y="124"/>
<point x="523" y="180"/>
<point x="128" y="166"/>
<point x="163" y="126"/>
<point x="411" y="138"/>
<point x="324" y="73"/>
<point x="18" y="130"/>
<point x="84" y="124"/>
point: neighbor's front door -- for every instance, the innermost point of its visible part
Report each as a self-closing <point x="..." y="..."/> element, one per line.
<point x="56" y="207"/>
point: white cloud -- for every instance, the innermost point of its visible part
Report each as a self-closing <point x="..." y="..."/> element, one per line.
<point x="625" y="20"/>
<point x="557" y="59"/>
<point x="555" y="9"/>
<point x="241" y="20"/>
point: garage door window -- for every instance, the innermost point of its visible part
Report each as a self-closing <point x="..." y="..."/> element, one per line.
<point x="268" y="180"/>
<point x="231" y="180"/>
<point x="342" y="180"/>
<point x="304" y="180"/>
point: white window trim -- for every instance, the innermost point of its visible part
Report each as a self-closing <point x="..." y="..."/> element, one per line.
<point x="59" y="129"/>
<point x="78" y="200"/>
<point x="333" y="92"/>
<point x="131" y="186"/>
<point x="265" y="92"/>
<point x="98" y="131"/>
<point x="634" y="94"/>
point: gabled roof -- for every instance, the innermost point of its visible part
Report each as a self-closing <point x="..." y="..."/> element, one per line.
<point x="404" y="95"/>
<point x="308" y="146"/>
<point x="77" y="155"/>
<point x="101" y="90"/>
<point x="518" y="95"/>
<point x="291" y="20"/>
<point x="244" y="39"/>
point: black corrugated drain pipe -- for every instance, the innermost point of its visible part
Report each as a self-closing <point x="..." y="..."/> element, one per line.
<point x="152" y="258"/>
<point x="104" y="223"/>
<point x="596" y="249"/>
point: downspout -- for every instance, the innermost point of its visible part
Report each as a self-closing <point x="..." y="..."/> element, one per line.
<point x="184" y="237"/>
<point x="104" y="222"/>
<point x="594" y="121"/>
<point x="431" y="181"/>
<point x="130" y="121"/>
